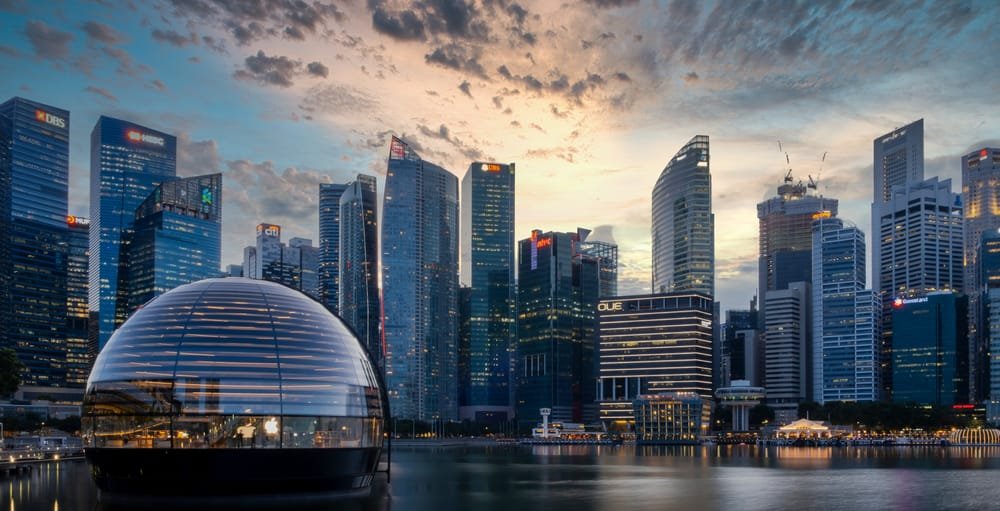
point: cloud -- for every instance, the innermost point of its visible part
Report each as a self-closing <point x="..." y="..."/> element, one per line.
<point x="250" y="21"/>
<point x="159" y="85"/>
<point x="102" y="33"/>
<point x="278" y="69"/>
<point x="101" y="92"/>
<point x="464" y="87"/>
<point x="457" y="57"/>
<point x="443" y="133"/>
<point x="608" y="4"/>
<point x="691" y="77"/>
<point x="197" y="157"/>
<point x="318" y="69"/>
<point x="337" y="99"/>
<point x="48" y="42"/>
<point x="174" y="38"/>
<point x="126" y="65"/>
<point x="405" y="25"/>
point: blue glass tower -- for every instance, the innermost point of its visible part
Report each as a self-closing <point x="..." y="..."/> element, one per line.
<point x="359" y="303"/>
<point x="846" y="316"/>
<point x="420" y="286"/>
<point x="930" y="356"/>
<point x="127" y="161"/>
<point x="78" y="354"/>
<point x="34" y="177"/>
<point x="488" y="268"/>
<point x="176" y="239"/>
<point x="329" y="244"/>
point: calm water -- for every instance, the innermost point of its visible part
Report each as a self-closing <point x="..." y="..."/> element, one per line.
<point x="611" y="478"/>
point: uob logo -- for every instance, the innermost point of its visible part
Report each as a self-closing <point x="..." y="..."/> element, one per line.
<point x="47" y="118"/>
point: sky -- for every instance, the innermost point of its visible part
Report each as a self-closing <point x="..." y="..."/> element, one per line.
<point x="589" y="98"/>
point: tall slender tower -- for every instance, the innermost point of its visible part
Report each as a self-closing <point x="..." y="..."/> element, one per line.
<point x="329" y="244"/>
<point x="127" y="161"/>
<point x="981" y="198"/>
<point x="683" y="223"/>
<point x="420" y="241"/>
<point x="34" y="188"/>
<point x="359" y="298"/>
<point x="488" y="269"/>
<point x="898" y="161"/>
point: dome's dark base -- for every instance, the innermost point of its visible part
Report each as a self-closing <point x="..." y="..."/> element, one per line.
<point x="233" y="472"/>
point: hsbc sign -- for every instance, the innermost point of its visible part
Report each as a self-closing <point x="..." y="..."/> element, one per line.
<point x="47" y="118"/>
<point x="138" y="136"/>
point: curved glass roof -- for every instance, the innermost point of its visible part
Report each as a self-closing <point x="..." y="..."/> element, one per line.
<point x="234" y="346"/>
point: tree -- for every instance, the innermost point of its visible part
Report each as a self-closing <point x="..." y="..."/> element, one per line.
<point x="10" y="372"/>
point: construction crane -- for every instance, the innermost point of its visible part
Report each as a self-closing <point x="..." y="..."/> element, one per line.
<point x="788" y="175"/>
<point x="814" y="183"/>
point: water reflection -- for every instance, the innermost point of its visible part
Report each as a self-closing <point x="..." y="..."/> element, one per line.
<point x="598" y="478"/>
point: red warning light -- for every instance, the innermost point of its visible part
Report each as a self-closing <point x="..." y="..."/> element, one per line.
<point x="897" y="303"/>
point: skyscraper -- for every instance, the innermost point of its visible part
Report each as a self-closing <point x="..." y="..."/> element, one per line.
<point x="898" y="161"/>
<point x="846" y="316"/>
<point x="742" y="353"/>
<point x="487" y="267"/>
<point x="558" y="291"/>
<point x="34" y="177"/>
<point x="176" y="239"/>
<point x="78" y="354"/>
<point x="305" y="258"/>
<point x="650" y="344"/>
<point x="127" y="161"/>
<point x="359" y="302"/>
<point x="683" y="224"/>
<point x="981" y="198"/>
<point x="329" y="244"/>
<point x="787" y="359"/>
<point x="295" y="265"/>
<point x="420" y="241"/>
<point x="920" y="249"/>
<point x="929" y="352"/>
<point x="786" y="258"/>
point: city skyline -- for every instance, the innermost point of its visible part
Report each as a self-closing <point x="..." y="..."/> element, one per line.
<point x="606" y="93"/>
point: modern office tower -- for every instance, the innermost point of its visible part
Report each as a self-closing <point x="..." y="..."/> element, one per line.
<point x="898" y="161"/>
<point x="176" y="239"/>
<point x="487" y="267"/>
<point x="786" y="245"/>
<point x="929" y="352"/>
<point x="464" y="344"/>
<point x="329" y="244"/>
<point x="234" y="270"/>
<point x="683" y="224"/>
<point x="359" y="303"/>
<point x="981" y="198"/>
<point x="301" y="255"/>
<point x="920" y="249"/>
<point x="127" y="161"/>
<point x="606" y="254"/>
<point x="787" y="359"/>
<point x="420" y="241"/>
<point x="846" y="316"/>
<point x="671" y="418"/>
<point x="558" y="291"/>
<point x="78" y="353"/>
<point x="988" y="261"/>
<point x="651" y="344"/>
<point x="743" y="353"/>
<point x="34" y="169"/>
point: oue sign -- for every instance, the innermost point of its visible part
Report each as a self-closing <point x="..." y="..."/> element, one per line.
<point x="609" y="307"/>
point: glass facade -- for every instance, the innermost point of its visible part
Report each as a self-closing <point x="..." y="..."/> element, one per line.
<point x="127" y="161"/>
<point x="329" y="244"/>
<point x="683" y="224"/>
<point x="846" y="316"/>
<point x="558" y="291"/>
<point x="176" y="239"/>
<point x="671" y="418"/>
<point x="787" y="361"/>
<point x="929" y="350"/>
<point x="989" y="267"/>
<point x="233" y="363"/>
<point x="488" y="269"/>
<point x="34" y="177"/>
<point x="78" y="353"/>
<point x="420" y="241"/>
<point x="981" y="198"/>
<point x="651" y="344"/>
<point x="359" y="301"/>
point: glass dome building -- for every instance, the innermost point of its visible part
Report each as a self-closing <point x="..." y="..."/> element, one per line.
<point x="233" y="386"/>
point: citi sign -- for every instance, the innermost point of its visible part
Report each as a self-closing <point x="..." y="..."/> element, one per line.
<point x="272" y="231"/>
<point x="138" y="136"/>
<point x="609" y="307"/>
<point x="47" y="118"/>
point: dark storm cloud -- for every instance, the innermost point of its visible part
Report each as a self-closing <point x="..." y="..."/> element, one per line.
<point x="177" y="39"/>
<point x="101" y="92"/>
<point x="102" y="33"/>
<point x="457" y="57"/>
<point x="318" y="69"/>
<point x="405" y="25"/>
<point x="48" y="42"/>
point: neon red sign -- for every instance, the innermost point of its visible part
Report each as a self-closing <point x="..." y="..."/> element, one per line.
<point x="544" y="242"/>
